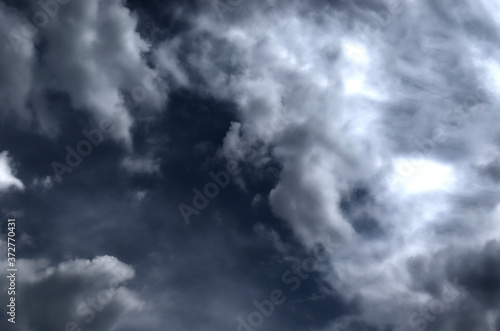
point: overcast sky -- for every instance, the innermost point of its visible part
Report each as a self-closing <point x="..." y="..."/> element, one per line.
<point x="288" y="165"/>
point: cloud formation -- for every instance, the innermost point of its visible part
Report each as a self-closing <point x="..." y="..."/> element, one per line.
<point x="372" y="123"/>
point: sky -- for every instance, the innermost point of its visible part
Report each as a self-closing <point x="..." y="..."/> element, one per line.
<point x="251" y="165"/>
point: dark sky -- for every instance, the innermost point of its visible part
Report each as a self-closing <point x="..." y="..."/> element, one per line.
<point x="251" y="165"/>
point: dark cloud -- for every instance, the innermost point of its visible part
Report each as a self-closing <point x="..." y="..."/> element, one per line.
<point x="365" y="128"/>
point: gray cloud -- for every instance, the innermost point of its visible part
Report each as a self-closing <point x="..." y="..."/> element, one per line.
<point x="88" y="50"/>
<point x="85" y="294"/>
<point x="378" y="119"/>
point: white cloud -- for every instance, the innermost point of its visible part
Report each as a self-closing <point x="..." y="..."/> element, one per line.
<point x="7" y="173"/>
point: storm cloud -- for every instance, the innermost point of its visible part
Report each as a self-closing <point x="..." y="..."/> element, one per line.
<point x="363" y="129"/>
